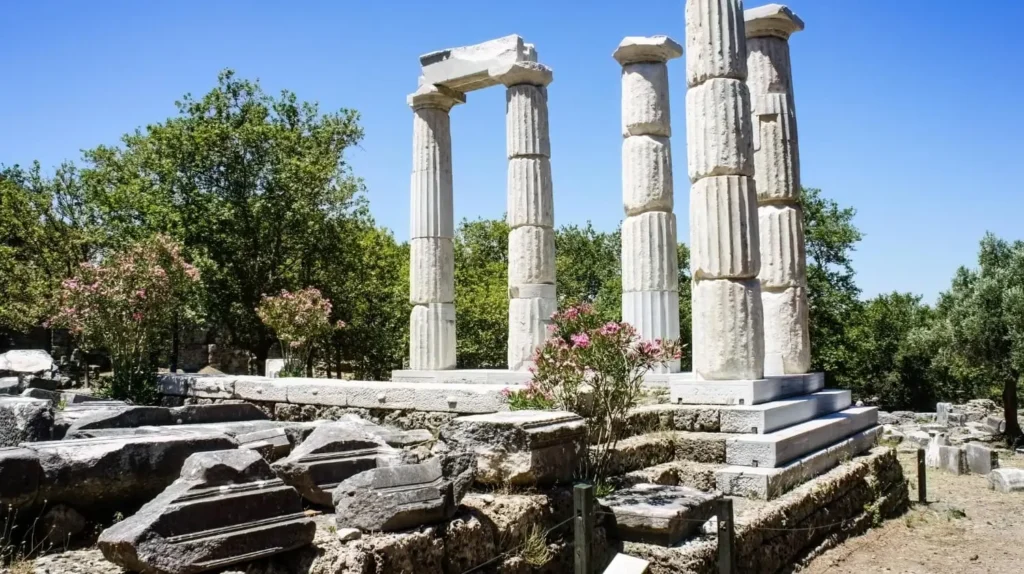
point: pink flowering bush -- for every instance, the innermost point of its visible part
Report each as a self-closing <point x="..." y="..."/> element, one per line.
<point x="128" y="304"/>
<point x="532" y="397"/>
<point x="301" y="321"/>
<point x="596" y="368"/>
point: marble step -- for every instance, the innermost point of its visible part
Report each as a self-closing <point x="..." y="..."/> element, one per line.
<point x="684" y="389"/>
<point x="777" y="448"/>
<point x="776" y="415"/>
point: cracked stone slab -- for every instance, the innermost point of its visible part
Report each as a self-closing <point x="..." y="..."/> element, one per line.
<point x="658" y="514"/>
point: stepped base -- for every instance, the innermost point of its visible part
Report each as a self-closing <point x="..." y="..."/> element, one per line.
<point x="776" y="415"/>
<point x="780" y="447"/>
<point x="770" y="483"/>
<point x="685" y="389"/>
<point x="463" y="376"/>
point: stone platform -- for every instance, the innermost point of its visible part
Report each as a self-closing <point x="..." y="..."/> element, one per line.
<point x="463" y="377"/>
<point x="685" y="389"/>
<point x="780" y="447"/>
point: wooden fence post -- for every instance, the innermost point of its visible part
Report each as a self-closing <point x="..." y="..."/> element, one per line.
<point x="726" y="564"/>
<point x="922" y="490"/>
<point x="583" y="523"/>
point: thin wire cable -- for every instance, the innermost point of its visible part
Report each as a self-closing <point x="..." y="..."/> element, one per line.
<point x="511" y="550"/>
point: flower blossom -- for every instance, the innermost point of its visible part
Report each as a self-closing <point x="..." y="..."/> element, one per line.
<point x="580" y="340"/>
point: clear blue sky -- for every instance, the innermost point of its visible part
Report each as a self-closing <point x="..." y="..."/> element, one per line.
<point x="909" y="111"/>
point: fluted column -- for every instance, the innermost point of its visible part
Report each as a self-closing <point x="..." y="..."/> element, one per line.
<point x="650" y="265"/>
<point x="432" y="264"/>
<point x="777" y="172"/>
<point x="531" y="213"/>
<point x="728" y="321"/>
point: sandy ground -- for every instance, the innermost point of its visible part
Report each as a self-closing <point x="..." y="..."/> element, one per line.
<point x="965" y="528"/>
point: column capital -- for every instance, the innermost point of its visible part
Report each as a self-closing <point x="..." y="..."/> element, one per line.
<point x="654" y="49"/>
<point x="431" y="96"/>
<point x="519" y="73"/>
<point x="771" y="20"/>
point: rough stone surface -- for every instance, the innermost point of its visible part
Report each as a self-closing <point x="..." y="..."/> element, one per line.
<point x="226" y="508"/>
<point x="728" y="330"/>
<point x="20" y="471"/>
<point x="718" y="116"/>
<point x="723" y="229"/>
<point x="772" y="20"/>
<point x="468" y="68"/>
<point x="24" y="420"/>
<point x="26" y="362"/>
<point x="645" y="91"/>
<point x="787" y="340"/>
<point x="61" y="524"/>
<point x="658" y="514"/>
<point x="1006" y="480"/>
<point x="531" y="255"/>
<point x="432" y="275"/>
<point x="647" y="174"/>
<point x="394" y="498"/>
<point x="332" y="453"/>
<point x="714" y="41"/>
<point x="9" y="386"/>
<point x="942" y="413"/>
<point x="217" y="413"/>
<point x="530" y="201"/>
<point x="521" y="448"/>
<point x="980" y="459"/>
<point x="126" y="417"/>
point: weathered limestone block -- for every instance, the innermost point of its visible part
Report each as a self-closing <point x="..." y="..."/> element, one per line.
<point x="432" y="270"/>
<point x="26" y="362"/>
<point x="718" y="129"/>
<point x="714" y="41"/>
<point x="786" y="328"/>
<point x="521" y="448"/>
<point x="953" y="459"/>
<point x="24" y="419"/>
<point x="217" y="413"/>
<point x="980" y="459"/>
<point x="645" y="108"/>
<point x="468" y="68"/>
<point x="126" y="417"/>
<point x="931" y="454"/>
<point x="20" y="471"/>
<point x="9" y="386"/>
<point x="331" y="454"/>
<point x="728" y="330"/>
<point x="776" y="153"/>
<point x="527" y="327"/>
<point x="783" y="258"/>
<point x="272" y="444"/>
<point x="432" y="337"/>
<point x="658" y="514"/>
<point x="226" y="508"/>
<point x="942" y="413"/>
<point x="395" y="498"/>
<point x="771" y="21"/>
<point x="526" y="121"/>
<point x="647" y="174"/>
<point x="724" y="229"/>
<point x="1006" y="480"/>
<point x="649" y="259"/>
<point x="530" y="200"/>
<point x="531" y="253"/>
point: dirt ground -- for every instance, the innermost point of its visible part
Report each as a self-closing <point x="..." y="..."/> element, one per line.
<point x="964" y="529"/>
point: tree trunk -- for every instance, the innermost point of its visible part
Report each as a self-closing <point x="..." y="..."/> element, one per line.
<point x="174" y="344"/>
<point x="1013" y="432"/>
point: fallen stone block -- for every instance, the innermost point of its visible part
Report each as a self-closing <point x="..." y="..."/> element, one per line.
<point x="332" y="453"/>
<point x="952" y="459"/>
<point x="216" y="413"/>
<point x="393" y="437"/>
<point x="521" y="448"/>
<point x="26" y="362"/>
<point x="272" y="444"/>
<point x="626" y="564"/>
<point x="64" y="418"/>
<point x="9" y="386"/>
<point x="920" y="438"/>
<point x="995" y="425"/>
<point x="24" y="419"/>
<point x="116" y="472"/>
<point x="942" y="413"/>
<point x="1006" y="480"/>
<point x="658" y="514"/>
<point x="126" y="417"/>
<point x="226" y="508"/>
<point x="980" y="459"/>
<point x="20" y="472"/>
<point x="931" y="453"/>
<point x="395" y="497"/>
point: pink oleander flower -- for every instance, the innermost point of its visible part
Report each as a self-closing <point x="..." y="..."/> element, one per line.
<point x="610" y="328"/>
<point x="580" y="340"/>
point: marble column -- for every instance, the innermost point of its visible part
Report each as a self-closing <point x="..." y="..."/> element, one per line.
<point x="531" y="213"/>
<point x="650" y="265"/>
<point x="432" y="265"/>
<point x="728" y="320"/>
<point x="777" y="172"/>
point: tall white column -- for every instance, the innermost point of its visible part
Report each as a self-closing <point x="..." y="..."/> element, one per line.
<point x="777" y="171"/>
<point x="728" y="321"/>
<point x="650" y="264"/>
<point x="531" y="212"/>
<point x="432" y="265"/>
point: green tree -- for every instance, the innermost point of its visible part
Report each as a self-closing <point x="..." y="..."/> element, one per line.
<point x="685" y="307"/>
<point x="481" y="293"/>
<point x="589" y="270"/>
<point x="252" y="185"/>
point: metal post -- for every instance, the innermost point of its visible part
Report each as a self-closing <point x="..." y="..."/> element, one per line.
<point x="583" y="508"/>
<point x="725" y="537"/>
<point x="921" y="486"/>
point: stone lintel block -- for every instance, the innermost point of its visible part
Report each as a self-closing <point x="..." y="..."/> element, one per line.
<point x="528" y="320"/>
<point x="530" y="199"/>
<point x="216" y="413"/>
<point x="1006" y="480"/>
<point x="532" y="291"/>
<point x="771" y="20"/>
<point x="980" y="458"/>
<point x="719" y="135"/>
<point x="714" y="41"/>
<point x="432" y="336"/>
<point x="505" y="377"/>
<point x="783" y="255"/>
<point x="766" y="483"/>
<point x="647" y="174"/>
<point x="649" y="252"/>
<point x="196" y="386"/>
<point x="776" y="150"/>
<point x="522" y="448"/>
<point x="435" y="96"/>
<point x="776" y="415"/>
<point x="390" y="395"/>
<point x="787" y="342"/>
<point x="780" y="447"/>
<point x="636" y="49"/>
<point x="467" y="68"/>
<point x="531" y="255"/>
<point x="645" y="100"/>
<point x="526" y="121"/>
<point x="654" y="314"/>
<point x="261" y="389"/>
<point x="728" y="330"/>
<point x="687" y="390"/>
<point x="394" y="498"/>
<point x="522" y="73"/>
<point x="658" y="514"/>
<point x="432" y="270"/>
<point x="724" y="230"/>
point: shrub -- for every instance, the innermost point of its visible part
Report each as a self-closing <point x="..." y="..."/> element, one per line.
<point x="301" y="321"/>
<point x="596" y="368"/>
<point x="128" y="304"/>
<point x="532" y="397"/>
